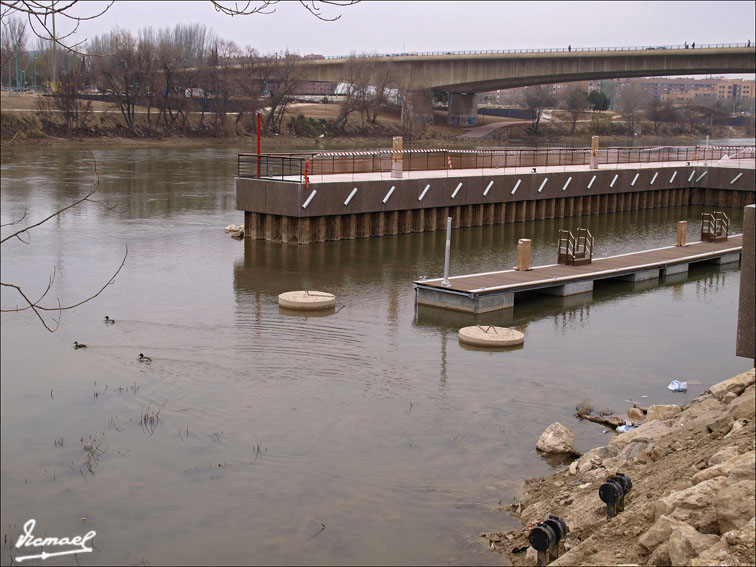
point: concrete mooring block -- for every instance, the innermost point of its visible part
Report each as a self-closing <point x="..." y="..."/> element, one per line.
<point x="524" y="247"/>
<point x="682" y="232"/>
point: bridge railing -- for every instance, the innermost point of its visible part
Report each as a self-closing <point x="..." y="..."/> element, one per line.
<point x="301" y="167"/>
<point x="568" y="49"/>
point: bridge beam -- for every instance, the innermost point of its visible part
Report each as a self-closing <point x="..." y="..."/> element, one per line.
<point x="463" y="109"/>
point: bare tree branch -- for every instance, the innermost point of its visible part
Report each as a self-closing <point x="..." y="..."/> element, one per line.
<point x="36" y="305"/>
<point x="268" y="7"/>
<point x="41" y="16"/>
<point x="15" y="221"/>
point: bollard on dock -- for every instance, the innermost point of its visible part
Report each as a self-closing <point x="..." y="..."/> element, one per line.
<point x="524" y="246"/>
<point x="682" y="231"/>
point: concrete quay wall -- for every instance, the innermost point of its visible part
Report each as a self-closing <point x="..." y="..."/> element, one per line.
<point x="294" y="213"/>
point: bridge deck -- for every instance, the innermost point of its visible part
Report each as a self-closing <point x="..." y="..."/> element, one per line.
<point x="558" y="275"/>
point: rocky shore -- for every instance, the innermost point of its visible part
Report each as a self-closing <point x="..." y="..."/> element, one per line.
<point x="692" y="495"/>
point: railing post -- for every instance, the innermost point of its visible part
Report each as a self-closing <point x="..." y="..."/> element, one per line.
<point x="259" y="121"/>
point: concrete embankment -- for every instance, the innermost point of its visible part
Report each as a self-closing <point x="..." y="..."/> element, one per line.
<point x="692" y="495"/>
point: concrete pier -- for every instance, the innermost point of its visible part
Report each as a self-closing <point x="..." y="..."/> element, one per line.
<point x="364" y="205"/>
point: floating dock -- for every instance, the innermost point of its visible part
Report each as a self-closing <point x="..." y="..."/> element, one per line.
<point x="492" y="291"/>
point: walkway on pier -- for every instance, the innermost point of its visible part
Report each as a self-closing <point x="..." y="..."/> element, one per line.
<point x="746" y="163"/>
<point x="478" y="293"/>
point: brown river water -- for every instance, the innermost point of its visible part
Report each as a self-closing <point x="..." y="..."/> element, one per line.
<point x="367" y="435"/>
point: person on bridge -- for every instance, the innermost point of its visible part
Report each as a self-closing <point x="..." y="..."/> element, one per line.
<point x="569" y="48"/>
<point x="693" y="45"/>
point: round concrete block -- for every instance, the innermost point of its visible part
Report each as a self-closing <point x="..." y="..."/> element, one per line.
<point x="306" y="300"/>
<point x="490" y="336"/>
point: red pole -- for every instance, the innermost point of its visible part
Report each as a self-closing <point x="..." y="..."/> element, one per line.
<point x="259" y="114"/>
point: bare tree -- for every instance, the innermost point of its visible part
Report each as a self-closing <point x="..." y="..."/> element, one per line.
<point x="280" y="78"/>
<point x="124" y="65"/>
<point x="383" y="80"/>
<point x="414" y="109"/>
<point x="40" y="309"/>
<point x="575" y="101"/>
<point x="355" y="89"/>
<point x="65" y="100"/>
<point x="218" y="78"/>
<point x="630" y="101"/>
<point x="659" y="112"/>
<point x="537" y="99"/>
<point x="12" y="40"/>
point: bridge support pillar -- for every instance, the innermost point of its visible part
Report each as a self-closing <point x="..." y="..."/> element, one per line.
<point x="463" y="109"/>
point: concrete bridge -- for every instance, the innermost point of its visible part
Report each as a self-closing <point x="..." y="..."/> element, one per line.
<point x="464" y="74"/>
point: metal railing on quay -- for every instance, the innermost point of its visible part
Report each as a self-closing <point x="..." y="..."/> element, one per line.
<point x="280" y="167"/>
<point x="301" y="167"/>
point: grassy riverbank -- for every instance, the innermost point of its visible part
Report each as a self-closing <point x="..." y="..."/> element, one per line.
<point x="692" y="496"/>
<point x="308" y="126"/>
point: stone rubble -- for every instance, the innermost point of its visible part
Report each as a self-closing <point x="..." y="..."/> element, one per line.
<point x="692" y="503"/>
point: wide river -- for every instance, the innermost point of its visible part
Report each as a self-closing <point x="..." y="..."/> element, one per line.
<point x="368" y="435"/>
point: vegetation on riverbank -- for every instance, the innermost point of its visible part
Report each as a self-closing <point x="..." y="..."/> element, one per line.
<point x="28" y="119"/>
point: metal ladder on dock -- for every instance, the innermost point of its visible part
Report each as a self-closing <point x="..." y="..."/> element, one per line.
<point x="575" y="250"/>
<point x="714" y="226"/>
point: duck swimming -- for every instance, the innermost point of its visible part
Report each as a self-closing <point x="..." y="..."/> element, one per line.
<point x="143" y="358"/>
<point x="77" y="345"/>
<point x="109" y="320"/>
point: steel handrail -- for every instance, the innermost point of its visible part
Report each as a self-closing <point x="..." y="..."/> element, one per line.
<point x="326" y="163"/>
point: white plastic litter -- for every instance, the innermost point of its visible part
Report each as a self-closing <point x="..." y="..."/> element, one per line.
<point x="677" y="386"/>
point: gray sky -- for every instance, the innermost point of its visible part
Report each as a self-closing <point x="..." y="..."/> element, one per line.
<point x="389" y="27"/>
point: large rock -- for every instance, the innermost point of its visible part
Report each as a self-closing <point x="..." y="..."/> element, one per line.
<point x="694" y="505"/>
<point x="737" y="468"/>
<point x="742" y="407"/>
<point x="662" y="411"/>
<point x="659" y="532"/>
<point x="736" y="384"/>
<point x="649" y="432"/>
<point x="556" y="439"/>
<point x="734" y="548"/>
<point x="660" y="556"/>
<point x="685" y="543"/>
<point x="723" y="455"/>
<point x="734" y="505"/>
<point x="535" y="512"/>
<point x="635" y="414"/>
<point x="742" y="467"/>
<point x="721" y="425"/>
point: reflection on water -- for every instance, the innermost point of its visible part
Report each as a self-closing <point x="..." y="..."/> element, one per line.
<point x="371" y="420"/>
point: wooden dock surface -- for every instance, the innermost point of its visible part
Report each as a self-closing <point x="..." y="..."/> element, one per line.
<point x="600" y="268"/>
